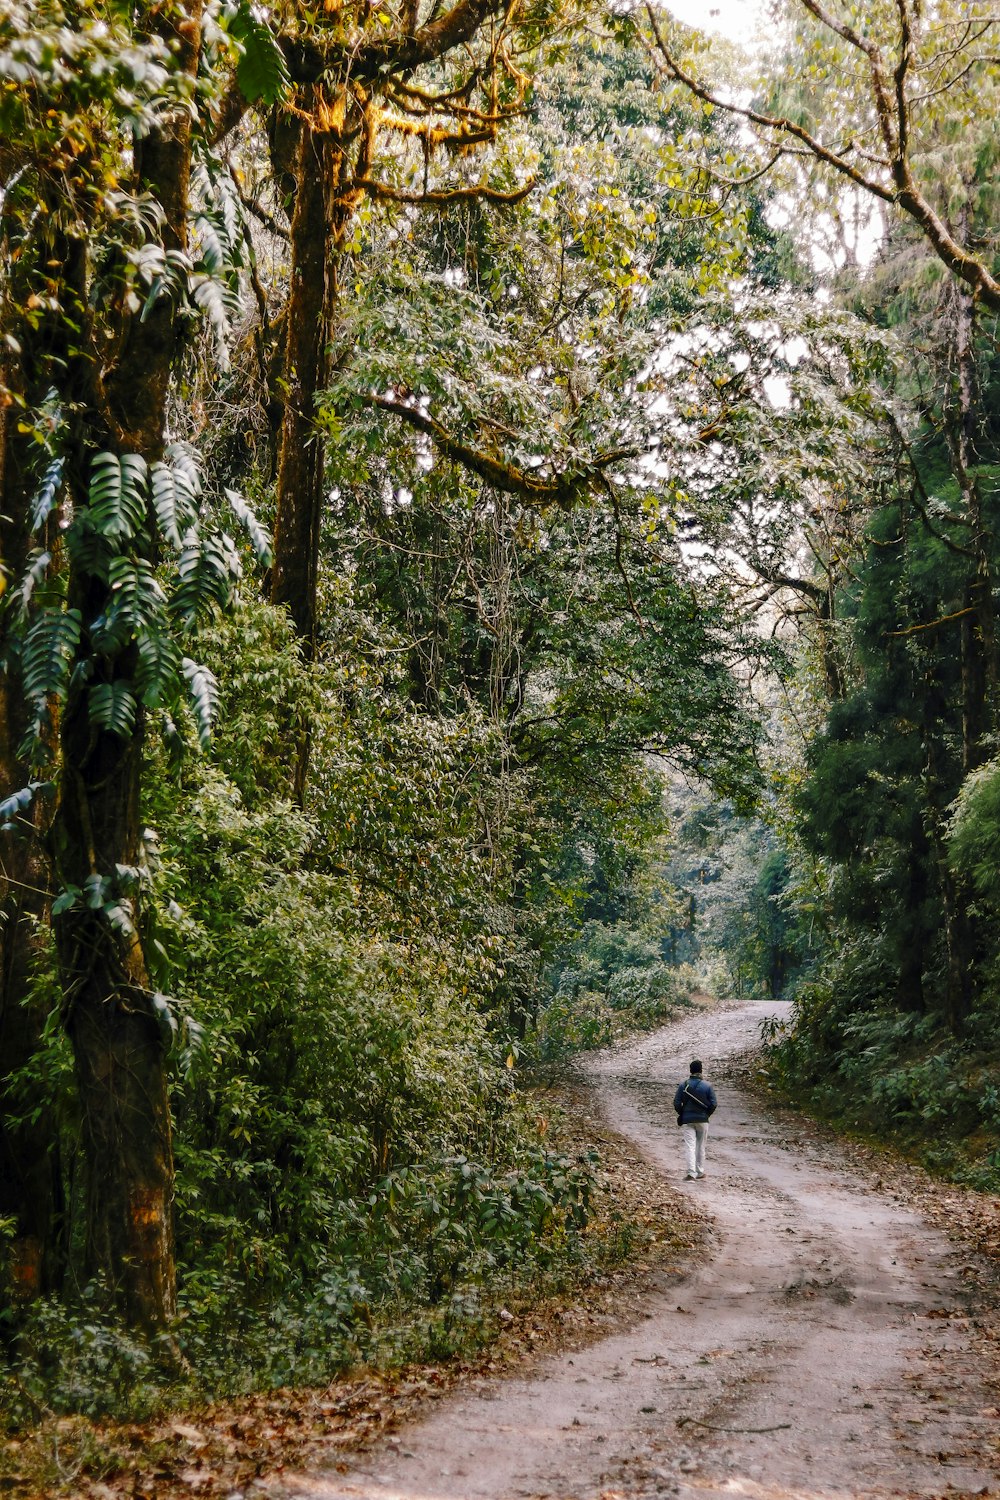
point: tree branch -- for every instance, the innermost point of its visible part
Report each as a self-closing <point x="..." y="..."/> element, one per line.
<point x="440" y="196"/>
<point x="933" y="624"/>
<point x="894" y="125"/>
<point x="270" y="223"/>
<point x="562" y="489"/>
<point x="309" y="59"/>
<point x="232" y="107"/>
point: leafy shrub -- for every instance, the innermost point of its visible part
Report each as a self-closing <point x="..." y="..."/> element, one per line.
<point x="975" y="832"/>
<point x="354" y="1175"/>
<point x="79" y="1360"/>
<point x="853" y="1057"/>
<point x="410" y="1274"/>
<point x="613" y="978"/>
<point x="578" y="1022"/>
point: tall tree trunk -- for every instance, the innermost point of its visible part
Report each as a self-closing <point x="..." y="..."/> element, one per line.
<point x="118" y="1045"/>
<point x="979" y="667"/>
<point x="30" y="1179"/>
<point x="325" y="197"/>
<point x="111" y="1015"/>
<point x="979" y="626"/>
<point x="295" y="574"/>
<point x="29" y="1171"/>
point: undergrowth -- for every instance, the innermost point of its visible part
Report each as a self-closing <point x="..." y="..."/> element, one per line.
<point x="897" y="1077"/>
<point x="465" y="1257"/>
<point x="610" y="981"/>
<point x="421" y="1263"/>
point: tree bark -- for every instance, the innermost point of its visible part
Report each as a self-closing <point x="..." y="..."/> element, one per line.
<point x="979" y="628"/>
<point x="118" y="1046"/>
<point x="295" y="574"/>
<point x="29" y="1162"/>
<point x="30" y="1175"/>
<point x="111" y="1016"/>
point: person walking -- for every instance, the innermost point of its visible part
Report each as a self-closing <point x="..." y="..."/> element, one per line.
<point x="694" y="1102"/>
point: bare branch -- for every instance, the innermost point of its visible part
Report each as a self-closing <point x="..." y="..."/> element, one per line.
<point x="777" y="123"/>
<point x="421" y="101"/>
<point x="270" y="223"/>
<point x="481" y="192"/>
<point x="893" y="110"/>
<point x="562" y="489"/>
<point x="933" y="624"/>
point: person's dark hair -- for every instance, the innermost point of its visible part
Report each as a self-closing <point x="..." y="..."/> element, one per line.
<point x="696" y="1066"/>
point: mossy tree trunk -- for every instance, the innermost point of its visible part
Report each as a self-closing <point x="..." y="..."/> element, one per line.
<point x="111" y="1014"/>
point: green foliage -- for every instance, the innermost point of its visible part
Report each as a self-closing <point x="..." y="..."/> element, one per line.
<point x="857" y="1060"/>
<point x="974" y="842"/>
<point x="355" y="1177"/>
<point x="59" y="73"/>
<point x="47" y="654"/>
<point x="204" y="697"/>
<point x="342" y="976"/>
<point x="112" y="707"/>
<point x="344" y="1117"/>
<point x="175" y="489"/>
<point x="60" y="653"/>
<point x="77" y="1360"/>
<point x="117" y="495"/>
<point x="616" y="974"/>
<point x="261" y="70"/>
<point x="259" y="539"/>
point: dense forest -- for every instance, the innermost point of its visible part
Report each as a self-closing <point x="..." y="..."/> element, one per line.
<point x="498" y="530"/>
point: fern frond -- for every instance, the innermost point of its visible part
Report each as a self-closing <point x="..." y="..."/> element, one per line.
<point x="215" y="253"/>
<point x="149" y="261"/>
<point x="157" y="673"/>
<point x="206" y="569"/>
<point x="230" y="215"/>
<point x="175" y="499"/>
<point x="45" y="499"/>
<point x="183" y="459"/>
<point x="172" y="738"/>
<point x="220" y="227"/>
<point x="48" y="651"/>
<point x="171" y="278"/>
<point x="117" y="494"/>
<point x="17" y="806"/>
<point x="136" y="602"/>
<point x="214" y="299"/>
<point x="261" y="71"/>
<point x="259" y="539"/>
<point x="111" y="706"/>
<point x="89" y="551"/>
<point x="204" y="691"/>
<point x="34" y="574"/>
<point x="218" y="302"/>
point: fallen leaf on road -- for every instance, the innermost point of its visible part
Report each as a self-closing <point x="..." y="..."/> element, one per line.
<point x="190" y="1434"/>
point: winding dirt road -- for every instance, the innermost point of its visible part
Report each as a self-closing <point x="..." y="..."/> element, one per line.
<point x="817" y="1349"/>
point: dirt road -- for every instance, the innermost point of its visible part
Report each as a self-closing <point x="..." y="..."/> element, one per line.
<point x="816" y="1349"/>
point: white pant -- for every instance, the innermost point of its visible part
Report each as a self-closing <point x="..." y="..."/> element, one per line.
<point x="694" y="1145"/>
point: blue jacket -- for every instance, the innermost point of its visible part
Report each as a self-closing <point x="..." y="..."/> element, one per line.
<point x="694" y="1100"/>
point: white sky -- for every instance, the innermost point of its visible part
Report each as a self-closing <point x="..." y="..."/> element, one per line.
<point x="861" y="218"/>
<point x="737" y="19"/>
